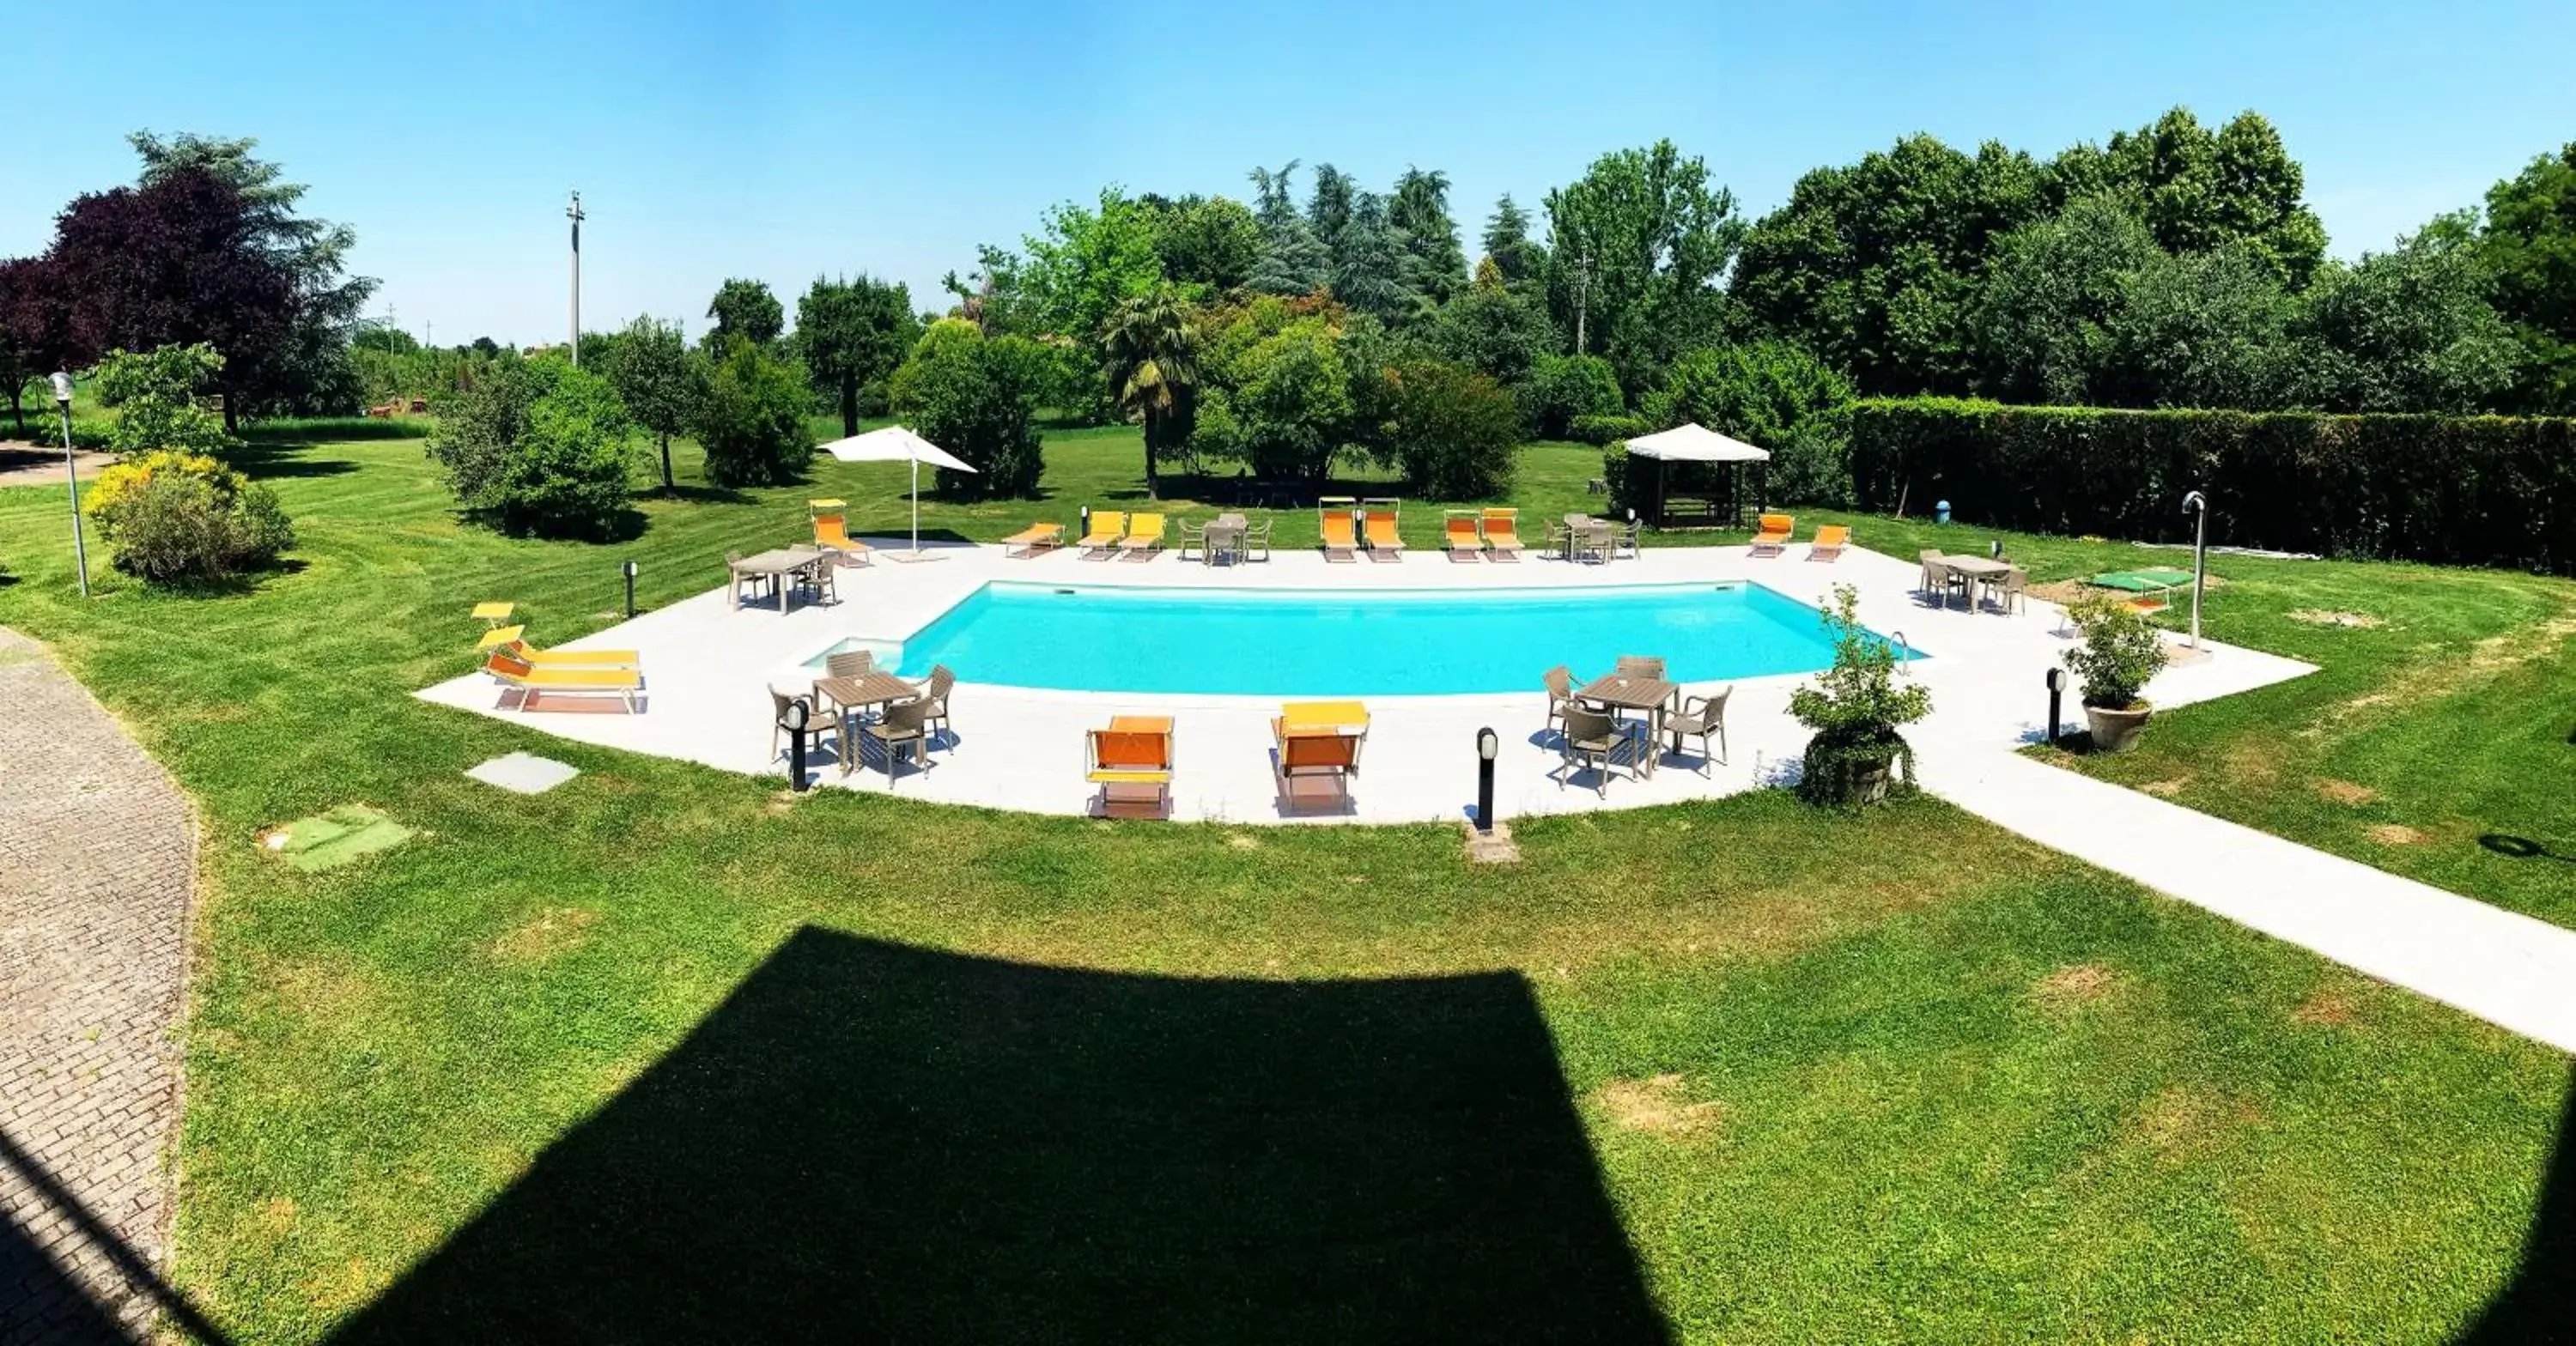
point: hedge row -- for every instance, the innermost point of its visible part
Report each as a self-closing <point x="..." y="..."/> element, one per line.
<point x="2484" y="490"/>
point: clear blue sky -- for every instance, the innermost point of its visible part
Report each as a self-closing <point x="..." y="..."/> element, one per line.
<point x="782" y="140"/>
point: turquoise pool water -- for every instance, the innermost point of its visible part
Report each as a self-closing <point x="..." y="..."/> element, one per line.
<point x="1314" y="642"/>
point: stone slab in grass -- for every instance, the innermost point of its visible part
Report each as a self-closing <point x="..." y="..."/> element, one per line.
<point x="335" y="837"/>
<point x="523" y="773"/>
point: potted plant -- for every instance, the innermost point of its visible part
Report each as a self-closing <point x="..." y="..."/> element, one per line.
<point x="2119" y="653"/>
<point x="1856" y="708"/>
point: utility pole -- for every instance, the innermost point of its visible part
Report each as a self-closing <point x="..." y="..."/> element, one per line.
<point x="573" y="212"/>
<point x="1582" y="294"/>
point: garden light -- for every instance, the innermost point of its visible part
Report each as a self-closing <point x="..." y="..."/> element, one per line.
<point x="2056" y="689"/>
<point x="1488" y="744"/>
<point x="629" y="568"/>
<point x="71" y="468"/>
<point x="2198" y="505"/>
<point x="797" y="716"/>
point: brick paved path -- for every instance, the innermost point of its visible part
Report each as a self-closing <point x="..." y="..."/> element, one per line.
<point x="97" y="855"/>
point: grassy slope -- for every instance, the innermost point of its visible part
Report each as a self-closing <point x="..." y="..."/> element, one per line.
<point x="2455" y="715"/>
<point x="1925" y="1126"/>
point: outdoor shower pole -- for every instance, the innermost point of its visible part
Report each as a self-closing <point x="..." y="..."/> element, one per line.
<point x="573" y="211"/>
<point x="2197" y="504"/>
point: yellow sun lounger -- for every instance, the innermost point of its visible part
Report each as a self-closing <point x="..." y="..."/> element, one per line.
<point x="1773" y="536"/>
<point x="1503" y="533"/>
<point x="1464" y="535"/>
<point x="830" y="534"/>
<point x="1829" y="543"/>
<point x="530" y="680"/>
<point x="1144" y="536"/>
<point x="1382" y="537"/>
<point x="1035" y="538"/>
<point x="1107" y="527"/>
<point x="1341" y="541"/>
<point x="530" y="654"/>
<point x="1131" y="762"/>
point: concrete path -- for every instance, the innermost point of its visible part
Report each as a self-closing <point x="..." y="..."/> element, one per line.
<point x="2508" y="969"/>
<point x="97" y="858"/>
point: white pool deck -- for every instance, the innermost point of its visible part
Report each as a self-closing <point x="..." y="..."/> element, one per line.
<point x="707" y="666"/>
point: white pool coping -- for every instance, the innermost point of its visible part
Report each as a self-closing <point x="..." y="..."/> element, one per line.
<point x="707" y="666"/>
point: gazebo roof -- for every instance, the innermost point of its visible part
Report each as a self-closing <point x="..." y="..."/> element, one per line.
<point x="1696" y="444"/>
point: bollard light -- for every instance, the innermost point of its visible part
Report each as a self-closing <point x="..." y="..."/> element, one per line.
<point x="629" y="568"/>
<point x="1488" y="746"/>
<point x="799" y="714"/>
<point x="2056" y="689"/>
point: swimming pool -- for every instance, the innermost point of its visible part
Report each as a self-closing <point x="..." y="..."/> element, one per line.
<point x="1319" y="642"/>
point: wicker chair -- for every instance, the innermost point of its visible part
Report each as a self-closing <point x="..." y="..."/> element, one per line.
<point x="2007" y="588"/>
<point x="1561" y="683"/>
<point x="759" y="583"/>
<point x="817" y="723"/>
<point x="1700" y="717"/>
<point x="1641" y="666"/>
<point x="934" y="699"/>
<point x="905" y="724"/>
<point x="1593" y="739"/>
<point x="1256" y="538"/>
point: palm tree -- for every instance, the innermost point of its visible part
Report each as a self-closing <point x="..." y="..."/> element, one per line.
<point x="1153" y="354"/>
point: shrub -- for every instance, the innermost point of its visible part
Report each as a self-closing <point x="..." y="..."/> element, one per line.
<point x="154" y="393"/>
<point x="178" y="516"/>
<point x="2483" y="490"/>
<point x="1604" y="429"/>
<point x="1857" y="710"/>
<point x="976" y="401"/>
<point x="1760" y="392"/>
<point x="539" y="447"/>
<point x="2119" y="653"/>
<point x="1812" y="466"/>
<point x="1452" y="431"/>
<point x="751" y="418"/>
<point x="1565" y="387"/>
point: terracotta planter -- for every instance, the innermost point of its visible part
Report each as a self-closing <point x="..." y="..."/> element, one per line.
<point x="2116" y="730"/>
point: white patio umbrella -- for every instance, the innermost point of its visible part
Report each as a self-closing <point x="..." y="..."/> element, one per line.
<point x="896" y="444"/>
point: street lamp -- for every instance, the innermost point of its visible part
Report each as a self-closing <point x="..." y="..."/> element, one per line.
<point x="2198" y="505"/>
<point x="71" y="469"/>
<point x="1488" y="745"/>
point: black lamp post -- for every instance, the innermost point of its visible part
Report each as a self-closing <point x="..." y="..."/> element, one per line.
<point x="798" y="714"/>
<point x="629" y="568"/>
<point x="1487" y="746"/>
<point x="2056" y="688"/>
<point x="71" y="468"/>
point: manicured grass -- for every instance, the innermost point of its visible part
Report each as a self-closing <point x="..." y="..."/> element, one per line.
<point x="2437" y="740"/>
<point x="660" y="1050"/>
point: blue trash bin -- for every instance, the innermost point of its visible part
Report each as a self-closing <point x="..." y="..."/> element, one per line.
<point x="1941" y="511"/>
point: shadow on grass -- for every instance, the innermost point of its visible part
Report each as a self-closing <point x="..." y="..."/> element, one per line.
<point x="264" y="459"/>
<point x="2539" y="1303"/>
<point x="625" y="525"/>
<point x="2521" y="848"/>
<point x="330" y="429"/>
<point x="867" y="1141"/>
<point x="701" y="493"/>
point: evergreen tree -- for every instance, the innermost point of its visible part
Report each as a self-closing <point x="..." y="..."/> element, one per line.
<point x="1369" y="263"/>
<point x="1419" y="213"/>
<point x="1328" y="211"/>
<point x="1507" y="242"/>
<point x="1293" y="260"/>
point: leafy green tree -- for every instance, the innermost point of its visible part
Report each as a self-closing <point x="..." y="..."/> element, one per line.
<point x="660" y="382"/>
<point x="538" y="448"/>
<point x="1082" y="264"/>
<point x="1874" y="265"/>
<point x="971" y="396"/>
<point x="306" y="374"/>
<point x="991" y="296"/>
<point x="1419" y="214"/>
<point x="1288" y="410"/>
<point x="1369" y="270"/>
<point x="1293" y="260"/>
<point x="853" y="333"/>
<point x="2039" y="330"/>
<point x="945" y="339"/>
<point x="2529" y="246"/>
<point x="154" y="394"/>
<point x="1565" y="388"/>
<point x="2200" y="191"/>
<point x="2205" y="329"/>
<point x="1759" y="392"/>
<point x="744" y="310"/>
<point x="1508" y="244"/>
<point x="751" y="421"/>
<point x="1451" y="431"/>
<point x="1635" y="250"/>
<point x="1210" y="242"/>
<point x="2411" y="329"/>
<point x="1496" y="332"/>
<point x="1150" y="346"/>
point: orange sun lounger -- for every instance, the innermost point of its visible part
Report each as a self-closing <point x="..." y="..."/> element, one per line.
<point x="1773" y="536"/>
<point x="1131" y="762"/>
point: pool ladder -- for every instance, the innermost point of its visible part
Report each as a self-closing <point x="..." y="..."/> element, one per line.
<point x="1907" y="646"/>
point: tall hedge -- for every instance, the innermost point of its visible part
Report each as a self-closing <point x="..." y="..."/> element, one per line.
<point x="2481" y="490"/>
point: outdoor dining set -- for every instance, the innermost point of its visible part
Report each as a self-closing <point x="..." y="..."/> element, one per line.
<point x="856" y="704"/>
<point x="1976" y="580"/>
<point x="1624" y="718"/>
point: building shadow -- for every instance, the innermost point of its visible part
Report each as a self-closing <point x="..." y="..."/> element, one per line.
<point x="2538" y="1306"/>
<point x="871" y="1142"/>
<point x="41" y="1302"/>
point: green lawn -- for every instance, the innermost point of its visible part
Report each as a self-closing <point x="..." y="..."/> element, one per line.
<point x="670" y="1057"/>
<point x="2437" y="739"/>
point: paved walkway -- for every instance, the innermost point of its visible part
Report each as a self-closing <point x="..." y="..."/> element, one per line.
<point x="97" y="855"/>
<point x="2505" y="968"/>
